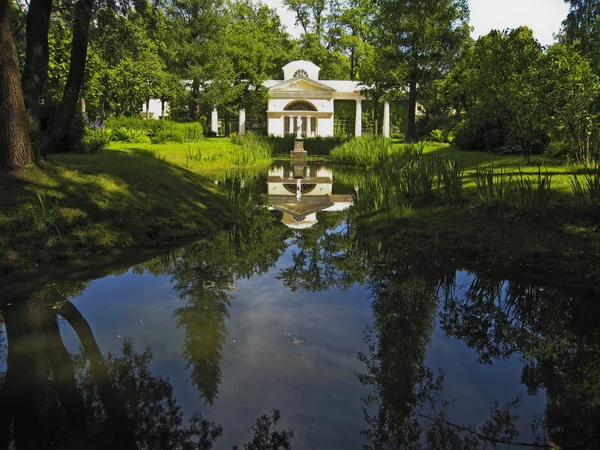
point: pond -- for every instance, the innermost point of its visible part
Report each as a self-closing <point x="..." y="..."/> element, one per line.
<point x="294" y="326"/>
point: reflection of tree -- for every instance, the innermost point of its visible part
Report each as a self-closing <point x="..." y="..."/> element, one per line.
<point x="324" y="258"/>
<point x="52" y="400"/>
<point x="204" y="274"/>
<point x="557" y="334"/>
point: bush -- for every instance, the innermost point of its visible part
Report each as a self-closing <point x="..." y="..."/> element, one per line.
<point x="398" y="137"/>
<point x="437" y="135"/>
<point x="167" y="136"/>
<point x="136" y="130"/>
<point x="129" y="135"/>
<point x="94" y="140"/>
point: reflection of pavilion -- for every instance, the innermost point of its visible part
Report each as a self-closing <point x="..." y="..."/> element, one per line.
<point x="301" y="192"/>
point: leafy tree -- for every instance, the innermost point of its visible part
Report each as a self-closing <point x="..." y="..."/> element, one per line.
<point x="582" y="29"/>
<point x="505" y="105"/>
<point x="572" y="90"/>
<point x="420" y="39"/>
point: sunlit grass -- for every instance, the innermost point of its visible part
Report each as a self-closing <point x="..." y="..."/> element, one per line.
<point x="124" y="196"/>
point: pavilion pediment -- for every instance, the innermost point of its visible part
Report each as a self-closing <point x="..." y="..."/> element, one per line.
<point x="302" y="85"/>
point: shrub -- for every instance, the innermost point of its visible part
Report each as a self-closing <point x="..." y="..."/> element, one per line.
<point x="94" y="140"/>
<point x="171" y="135"/>
<point x="398" y="137"/>
<point x="437" y="135"/>
<point x="129" y="135"/>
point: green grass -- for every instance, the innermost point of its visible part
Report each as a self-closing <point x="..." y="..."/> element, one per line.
<point x="125" y="196"/>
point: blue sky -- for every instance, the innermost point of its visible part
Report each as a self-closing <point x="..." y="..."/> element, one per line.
<point x="544" y="17"/>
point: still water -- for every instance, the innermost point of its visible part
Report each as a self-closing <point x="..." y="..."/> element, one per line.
<point x="296" y="327"/>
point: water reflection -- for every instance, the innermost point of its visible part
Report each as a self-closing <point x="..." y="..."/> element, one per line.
<point x="320" y="286"/>
<point x="301" y="191"/>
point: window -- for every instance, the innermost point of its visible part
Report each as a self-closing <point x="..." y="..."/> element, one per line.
<point x="300" y="106"/>
<point x="299" y="72"/>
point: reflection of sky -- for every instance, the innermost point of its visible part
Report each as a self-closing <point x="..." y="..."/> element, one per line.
<point x="312" y="383"/>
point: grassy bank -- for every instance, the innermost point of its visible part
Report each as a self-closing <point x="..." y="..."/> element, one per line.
<point x="519" y="216"/>
<point x="125" y="196"/>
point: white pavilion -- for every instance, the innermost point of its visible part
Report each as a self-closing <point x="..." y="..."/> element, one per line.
<point x="301" y="104"/>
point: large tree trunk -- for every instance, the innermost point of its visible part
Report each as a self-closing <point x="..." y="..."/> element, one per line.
<point x="35" y="70"/>
<point x="68" y="105"/>
<point x="411" y="134"/>
<point x="15" y="147"/>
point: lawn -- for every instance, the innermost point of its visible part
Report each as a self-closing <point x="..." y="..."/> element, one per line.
<point x="125" y="196"/>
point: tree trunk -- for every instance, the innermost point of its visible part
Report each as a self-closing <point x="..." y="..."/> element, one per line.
<point x="82" y="107"/>
<point x="35" y="70"/>
<point x="411" y="134"/>
<point x="15" y="147"/>
<point x="194" y="105"/>
<point x="114" y="406"/>
<point x="147" y="108"/>
<point x="163" y="100"/>
<point x="101" y="113"/>
<point x="64" y="116"/>
<point x="376" y="116"/>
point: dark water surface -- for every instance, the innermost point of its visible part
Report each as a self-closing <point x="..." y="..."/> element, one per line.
<point x="297" y="308"/>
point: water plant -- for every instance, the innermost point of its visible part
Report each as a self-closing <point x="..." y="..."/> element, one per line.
<point x="589" y="191"/>
<point x="533" y="194"/>
<point x="492" y="185"/>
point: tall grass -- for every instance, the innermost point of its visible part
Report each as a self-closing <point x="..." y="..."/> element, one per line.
<point x="407" y="177"/>
<point x="493" y="186"/>
<point x="365" y="151"/>
<point x="251" y="148"/>
<point x="44" y="214"/>
<point x="588" y="192"/>
<point x="533" y="194"/>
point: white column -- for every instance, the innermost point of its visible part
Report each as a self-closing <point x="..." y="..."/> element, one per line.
<point x="386" y="120"/>
<point x="242" y="125"/>
<point x="214" y="121"/>
<point x="308" y="123"/>
<point x="358" y="119"/>
<point x="291" y="127"/>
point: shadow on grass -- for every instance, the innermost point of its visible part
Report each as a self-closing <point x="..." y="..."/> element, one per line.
<point x="111" y="200"/>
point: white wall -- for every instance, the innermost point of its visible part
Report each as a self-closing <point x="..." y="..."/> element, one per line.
<point x="154" y="109"/>
<point x="275" y="126"/>
<point x="325" y="127"/>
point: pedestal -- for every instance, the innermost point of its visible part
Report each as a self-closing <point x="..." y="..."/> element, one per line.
<point x="298" y="152"/>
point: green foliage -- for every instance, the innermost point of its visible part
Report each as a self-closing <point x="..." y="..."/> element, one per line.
<point x="314" y="146"/>
<point x="493" y="186"/>
<point x="134" y="130"/>
<point x="589" y="192"/>
<point x="534" y="194"/>
<point x="437" y="135"/>
<point x="129" y="135"/>
<point x="251" y="148"/>
<point x="94" y="140"/>
<point x="45" y="215"/>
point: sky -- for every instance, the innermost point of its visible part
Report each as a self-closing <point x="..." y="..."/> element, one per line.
<point x="544" y="17"/>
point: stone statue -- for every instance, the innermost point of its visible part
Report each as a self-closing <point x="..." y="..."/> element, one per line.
<point x="299" y="132"/>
